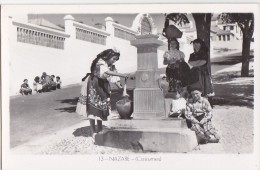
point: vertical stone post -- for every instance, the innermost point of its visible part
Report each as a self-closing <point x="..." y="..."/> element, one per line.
<point x="69" y="28"/>
<point x="148" y="97"/>
<point x="109" y="26"/>
<point x="111" y="30"/>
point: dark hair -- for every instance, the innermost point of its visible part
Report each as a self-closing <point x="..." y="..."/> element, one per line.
<point x="37" y="79"/>
<point x="203" y="47"/>
<point x="25" y="80"/>
<point x="52" y="76"/>
<point x="191" y="88"/>
<point x="57" y="77"/>
<point x="177" y="42"/>
<point x="104" y="55"/>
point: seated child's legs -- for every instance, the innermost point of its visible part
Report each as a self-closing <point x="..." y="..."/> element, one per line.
<point x="58" y="86"/>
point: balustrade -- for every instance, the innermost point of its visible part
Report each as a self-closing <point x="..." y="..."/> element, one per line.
<point x="124" y="34"/>
<point x="39" y="38"/>
<point x="90" y="36"/>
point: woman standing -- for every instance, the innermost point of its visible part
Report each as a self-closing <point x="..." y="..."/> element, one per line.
<point x="199" y="74"/>
<point x="98" y="88"/>
<point x="177" y="69"/>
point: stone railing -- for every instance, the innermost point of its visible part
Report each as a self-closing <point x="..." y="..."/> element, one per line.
<point x="90" y="34"/>
<point x="124" y="32"/>
<point x="37" y="35"/>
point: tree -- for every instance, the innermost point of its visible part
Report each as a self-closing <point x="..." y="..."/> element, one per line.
<point x="202" y="22"/>
<point x="246" y="23"/>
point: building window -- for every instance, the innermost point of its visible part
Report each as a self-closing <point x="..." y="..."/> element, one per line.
<point x="228" y="37"/>
<point x="219" y="37"/>
<point x="224" y="27"/>
<point x="145" y="27"/>
<point x="224" y="38"/>
<point x="231" y="27"/>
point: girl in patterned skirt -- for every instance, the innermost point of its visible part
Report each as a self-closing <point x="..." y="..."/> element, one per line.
<point x="98" y="88"/>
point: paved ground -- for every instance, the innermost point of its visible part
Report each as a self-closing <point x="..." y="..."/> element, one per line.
<point x="46" y="123"/>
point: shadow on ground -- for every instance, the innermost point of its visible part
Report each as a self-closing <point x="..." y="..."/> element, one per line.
<point x="228" y="60"/>
<point x="72" y="101"/>
<point x="85" y="131"/>
<point x="67" y="109"/>
<point x="232" y="89"/>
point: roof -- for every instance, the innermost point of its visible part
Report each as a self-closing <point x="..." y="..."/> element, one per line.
<point x="218" y="31"/>
<point x="45" y="23"/>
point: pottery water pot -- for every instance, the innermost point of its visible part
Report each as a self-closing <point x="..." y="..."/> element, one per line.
<point x="125" y="108"/>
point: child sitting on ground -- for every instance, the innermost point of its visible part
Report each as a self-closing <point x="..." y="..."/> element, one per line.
<point x="25" y="89"/>
<point x="53" y="83"/>
<point x="37" y="86"/>
<point x="178" y="105"/>
<point x="58" y="82"/>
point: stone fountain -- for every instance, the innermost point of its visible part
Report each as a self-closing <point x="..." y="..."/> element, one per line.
<point x="150" y="129"/>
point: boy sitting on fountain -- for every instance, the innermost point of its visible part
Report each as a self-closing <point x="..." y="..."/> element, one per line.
<point x="178" y="105"/>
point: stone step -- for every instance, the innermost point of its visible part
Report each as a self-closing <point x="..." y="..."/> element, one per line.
<point x="177" y="140"/>
<point x="146" y="124"/>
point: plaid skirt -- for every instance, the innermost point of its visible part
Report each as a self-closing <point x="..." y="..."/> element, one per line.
<point x="205" y="129"/>
<point x="98" y="98"/>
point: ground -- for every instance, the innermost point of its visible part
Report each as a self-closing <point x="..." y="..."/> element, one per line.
<point x="47" y="123"/>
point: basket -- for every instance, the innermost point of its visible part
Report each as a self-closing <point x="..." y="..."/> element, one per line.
<point x="172" y="32"/>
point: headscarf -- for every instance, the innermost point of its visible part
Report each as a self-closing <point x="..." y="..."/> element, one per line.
<point x="109" y="53"/>
<point x="203" y="47"/>
<point x="105" y="55"/>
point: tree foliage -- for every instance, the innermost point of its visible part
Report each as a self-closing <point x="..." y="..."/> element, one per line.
<point x="177" y="18"/>
<point x="246" y="23"/>
<point x="244" y="20"/>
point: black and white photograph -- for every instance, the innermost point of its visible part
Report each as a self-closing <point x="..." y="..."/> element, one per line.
<point x="158" y="86"/>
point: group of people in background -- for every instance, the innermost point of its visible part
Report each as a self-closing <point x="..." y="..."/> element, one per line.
<point x="193" y="78"/>
<point x="45" y="83"/>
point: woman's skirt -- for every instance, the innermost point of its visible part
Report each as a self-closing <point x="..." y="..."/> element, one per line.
<point x="98" y="98"/>
<point x="200" y="77"/>
<point x="177" y="75"/>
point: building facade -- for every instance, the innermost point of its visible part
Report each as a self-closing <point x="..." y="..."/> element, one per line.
<point x="38" y="46"/>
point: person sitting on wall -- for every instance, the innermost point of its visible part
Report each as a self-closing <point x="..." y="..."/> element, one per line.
<point x="199" y="114"/>
<point x="178" y="105"/>
<point x="25" y="89"/>
<point x="58" y="82"/>
<point x="37" y="86"/>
